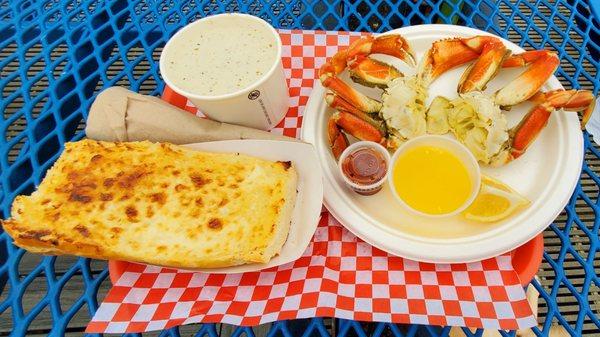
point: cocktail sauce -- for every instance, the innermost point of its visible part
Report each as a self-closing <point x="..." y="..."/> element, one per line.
<point x="365" y="166"/>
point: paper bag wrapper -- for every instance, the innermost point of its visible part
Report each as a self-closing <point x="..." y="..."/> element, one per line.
<point x="118" y="114"/>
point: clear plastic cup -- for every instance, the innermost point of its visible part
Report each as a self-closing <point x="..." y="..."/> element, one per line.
<point x="360" y="188"/>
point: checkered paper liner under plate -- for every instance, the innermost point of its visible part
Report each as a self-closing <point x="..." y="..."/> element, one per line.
<point x="338" y="276"/>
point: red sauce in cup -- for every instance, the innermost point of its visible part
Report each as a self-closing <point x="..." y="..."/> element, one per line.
<point x="365" y="166"/>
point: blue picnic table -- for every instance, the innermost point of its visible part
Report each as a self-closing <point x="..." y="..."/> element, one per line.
<point x="56" y="55"/>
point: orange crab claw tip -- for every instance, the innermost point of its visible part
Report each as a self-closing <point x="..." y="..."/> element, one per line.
<point x="587" y="113"/>
<point x="332" y="130"/>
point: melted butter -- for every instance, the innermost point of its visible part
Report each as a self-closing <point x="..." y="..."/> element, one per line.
<point x="431" y="180"/>
<point x="220" y="56"/>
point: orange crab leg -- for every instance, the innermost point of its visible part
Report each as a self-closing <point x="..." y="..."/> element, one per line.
<point x="373" y="73"/>
<point x="529" y="128"/>
<point x="394" y="45"/>
<point x="357" y="127"/>
<point x="572" y="100"/>
<point x="351" y="95"/>
<point x="339" y="103"/>
<point x="450" y="53"/>
<point x="337" y="139"/>
<point x="477" y="76"/>
<point x="529" y="82"/>
<point x="523" y="59"/>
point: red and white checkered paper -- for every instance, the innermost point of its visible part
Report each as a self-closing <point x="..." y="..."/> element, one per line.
<point x="338" y="276"/>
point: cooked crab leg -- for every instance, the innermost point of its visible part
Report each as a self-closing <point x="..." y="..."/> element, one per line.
<point x="349" y="94"/>
<point x="572" y="100"/>
<point x="393" y="45"/>
<point x="529" y="82"/>
<point x="524" y="58"/>
<point x="478" y="74"/>
<point x="491" y="54"/>
<point x="340" y="104"/>
<point x="357" y="127"/>
<point x="450" y="53"/>
<point x="530" y="126"/>
<point x="353" y="125"/>
<point x="337" y="139"/>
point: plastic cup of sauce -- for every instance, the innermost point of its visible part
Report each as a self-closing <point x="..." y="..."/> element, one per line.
<point x="229" y="66"/>
<point x="363" y="166"/>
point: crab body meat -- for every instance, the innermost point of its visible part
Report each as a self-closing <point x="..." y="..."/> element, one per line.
<point x="403" y="109"/>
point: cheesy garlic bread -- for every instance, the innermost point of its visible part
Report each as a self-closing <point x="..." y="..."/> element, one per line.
<point x="159" y="204"/>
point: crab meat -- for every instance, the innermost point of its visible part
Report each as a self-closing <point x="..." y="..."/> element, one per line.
<point x="404" y="109"/>
<point x="475" y="121"/>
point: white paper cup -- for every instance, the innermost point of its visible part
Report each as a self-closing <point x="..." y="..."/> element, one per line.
<point x="261" y="105"/>
<point x="456" y="148"/>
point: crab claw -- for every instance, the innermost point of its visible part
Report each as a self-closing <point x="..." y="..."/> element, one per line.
<point x="349" y="94"/>
<point x="530" y="81"/>
<point x="450" y="53"/>
<point x="572" y="100"/>
<point x="373" y="73"/>
<point x="393" y="44"/>
<point x="478" y="74"/>
<point x="337" y="139"/>
<point x="357" y="127"/>
<point x="335" y="65"/>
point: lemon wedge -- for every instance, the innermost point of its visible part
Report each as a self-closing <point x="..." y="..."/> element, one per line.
<point x="495" y="201"/>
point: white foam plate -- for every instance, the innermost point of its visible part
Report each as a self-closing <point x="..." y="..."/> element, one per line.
<point x="309" y="199"/>
<point x="546" y="174"/>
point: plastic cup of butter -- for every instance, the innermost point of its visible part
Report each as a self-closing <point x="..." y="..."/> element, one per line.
<point x="229" y="66"/>
<point x="363" y="166"/>
<point x="454" y="147"/>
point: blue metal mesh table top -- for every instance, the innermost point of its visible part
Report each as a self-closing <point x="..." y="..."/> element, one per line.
<point x="56" y="55"/>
